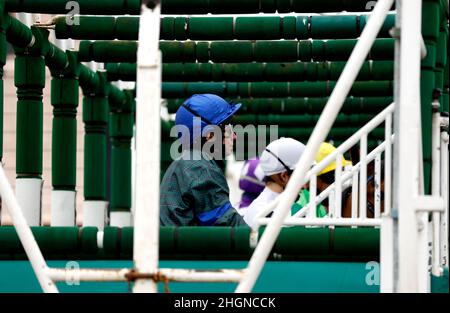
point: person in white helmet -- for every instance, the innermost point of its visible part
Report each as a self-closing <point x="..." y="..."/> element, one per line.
<point x="277" y="161"/>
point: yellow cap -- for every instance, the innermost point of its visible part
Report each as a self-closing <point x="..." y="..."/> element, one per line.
<point x="324" y="150"/>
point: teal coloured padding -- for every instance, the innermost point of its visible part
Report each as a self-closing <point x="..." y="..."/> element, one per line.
<point x="289" y="277"/>
<point x="440" y="284"/>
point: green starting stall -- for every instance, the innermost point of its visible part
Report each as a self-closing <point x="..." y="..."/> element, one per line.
<point x="281" y="68"/>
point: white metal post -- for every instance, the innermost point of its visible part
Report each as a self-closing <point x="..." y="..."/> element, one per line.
<point x="436" y="188"/>
<point x="338" y="186"/>
<point x="148" y="141"/>
<point x="319" y="134"/>
<point x="363" y="177"/>
<point x="29" y="196"/>
<point x="407" y="159"/>
<point x="444" y="191"/>
<point x="94" y="213"/>
<point x="25" y="235"/>
<point x="377" y="183"/>
<point x="312" y="211"/>
<point x="63" y="208"/>
<point x="387" y="223"/>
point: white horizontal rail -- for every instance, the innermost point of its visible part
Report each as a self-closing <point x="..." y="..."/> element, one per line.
<point x="328" y="221"/>
<point x="115" y="275"/>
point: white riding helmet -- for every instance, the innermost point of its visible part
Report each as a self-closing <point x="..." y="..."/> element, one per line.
<point x="281" y="155"/>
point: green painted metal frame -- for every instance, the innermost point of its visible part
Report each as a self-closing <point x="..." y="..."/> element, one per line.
<point x="121" y="122"/>
<point x="200" y="243"/>
<point x="97" y="7"/>
<point x="274" y="89"/>
<point x="236" y="51"/>
<point x="244" y="72"/>
<point x="295" y="105"/>
<point x="221" y="28"/>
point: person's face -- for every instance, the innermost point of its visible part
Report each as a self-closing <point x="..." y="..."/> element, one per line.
<point x="321" y="185"/>
<point x="282" y="179"/>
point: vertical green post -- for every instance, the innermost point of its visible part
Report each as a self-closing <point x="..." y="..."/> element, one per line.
<point x="95" y="118"/>
<point x="441" y="63"/>
<point x="64" y="99"/>
<point x="121" y="121"/>
<point x="430" y="33"/>
<point x="29" y="78"/>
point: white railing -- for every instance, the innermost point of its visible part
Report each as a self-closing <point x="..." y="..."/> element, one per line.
<point x="354" y="177"/>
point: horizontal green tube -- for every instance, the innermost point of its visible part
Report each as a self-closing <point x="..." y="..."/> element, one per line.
<point x="244" y="72"/>
<point x="257" y="6"/>
<point x="236" y="51"/>
<point x="274" y="89"/>
<point x="302" y="133"/>
<point x="222" y="28"/>
<point x="298" y="105"/>
<point x="98" y="7"/>
<point x="17" y="33"/>
<point x="198" y="242"/>
<point x="300" y="119"/>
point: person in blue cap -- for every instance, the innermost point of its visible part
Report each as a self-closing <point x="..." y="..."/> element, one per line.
<point x="194" y="191"/>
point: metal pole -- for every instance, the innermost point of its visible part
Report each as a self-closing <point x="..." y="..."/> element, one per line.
<point x="148" y="141"/>
<point x="319" y="134"/>
<point x="406" y="130"/>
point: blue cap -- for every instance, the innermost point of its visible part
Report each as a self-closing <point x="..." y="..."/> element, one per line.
<point x="212" y="109"/>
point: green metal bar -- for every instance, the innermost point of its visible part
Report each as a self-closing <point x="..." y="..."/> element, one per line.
<point x="441" y="63"/>
<point x="236" y="51"/>
<point x="121" y="121"/>
<point x="64" y="99"/>
<point x="430" y="33"/>
<point x="95" y="119"/>
<point x="199" y="243"/>
<point x="298" y="105"/>
<point x="98" y="7"/>
<point x="300" y="119"/>
<point x="257" y="6"/>
<point x="274" y="89"/>
<point x="29" y="78"/>
<point x="222" y="28"/>
<point x="243" y="72"/>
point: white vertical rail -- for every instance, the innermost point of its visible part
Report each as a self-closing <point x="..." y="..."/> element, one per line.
<point x="319" y="134"/>
<point x="407" y="158"/>
<point x="312" y="196"/>
<point x="436" y="189"/>
<point x="444" y="192"/>
<point x="338" y="186"/>
<point x="25" y="235"/>
<point x="387" y="223"/>
<point x="363" y="177"/>
<point x="377" y="182"/>
<point x="355" y="194"/>
<point x="148" y="141"/>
